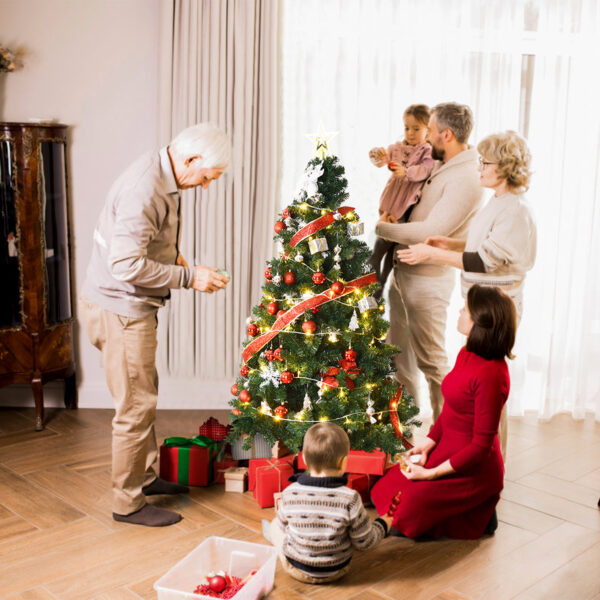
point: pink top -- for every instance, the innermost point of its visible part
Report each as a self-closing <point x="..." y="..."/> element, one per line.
<point x="400" y="193"/>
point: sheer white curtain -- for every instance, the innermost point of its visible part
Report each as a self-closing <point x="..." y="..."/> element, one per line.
<point x="519" y="65"/>
<point x="220" y="63"/>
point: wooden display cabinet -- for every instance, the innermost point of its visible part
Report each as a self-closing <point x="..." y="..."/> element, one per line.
<point x="36" y="309"/>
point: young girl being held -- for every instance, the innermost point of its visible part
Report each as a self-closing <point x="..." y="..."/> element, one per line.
<point x="411" y="163"/>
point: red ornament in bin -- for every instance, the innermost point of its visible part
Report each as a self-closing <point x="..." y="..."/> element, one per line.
<point x="359" y="461"/>
<point x="271" y="479"/>
<point x="214" y="430"/>
<point x="279" y="226"/>
<point x="268" y="274"/>
<point x="272" y="308"/>
<point x="245" y="396"/>
<point x="255" y="463"/>
<point x="289" y="278"/>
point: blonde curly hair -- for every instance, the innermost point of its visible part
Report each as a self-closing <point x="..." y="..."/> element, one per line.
<point x="512" y="157"/>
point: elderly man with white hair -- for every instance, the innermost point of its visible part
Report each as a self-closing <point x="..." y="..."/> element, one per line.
<point x="135" y="263"/>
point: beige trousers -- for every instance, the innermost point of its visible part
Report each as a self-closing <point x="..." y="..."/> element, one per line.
<point x="418" y="311"/>
<point x="128" y="348"/>
<point x="277" y="540"/>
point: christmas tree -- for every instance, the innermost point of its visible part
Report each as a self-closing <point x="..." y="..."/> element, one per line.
<point x="316" y="349"/>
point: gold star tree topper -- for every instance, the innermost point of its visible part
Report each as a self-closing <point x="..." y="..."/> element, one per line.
<point x="321" y="139"/>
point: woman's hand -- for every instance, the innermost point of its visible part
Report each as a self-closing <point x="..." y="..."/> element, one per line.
<point x="445" y="243"/>
<point x="418" y="473"/>
<point x="180" y="260"/>
<point x="422" y="450"/>
<point x="415" y="254"/>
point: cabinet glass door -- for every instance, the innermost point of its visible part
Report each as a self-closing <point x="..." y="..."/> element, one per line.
<point x="10" y="296"/>
<point x="54" y="214"/>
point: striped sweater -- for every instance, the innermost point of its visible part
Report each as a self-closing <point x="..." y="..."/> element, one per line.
<point x="323" y="520"/>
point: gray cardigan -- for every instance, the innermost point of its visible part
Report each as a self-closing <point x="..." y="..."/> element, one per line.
<point x="450" y="198"/>
<point x="132" y="267"/>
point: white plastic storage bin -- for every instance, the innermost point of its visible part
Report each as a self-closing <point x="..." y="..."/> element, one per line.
<point x="220" y="554"/>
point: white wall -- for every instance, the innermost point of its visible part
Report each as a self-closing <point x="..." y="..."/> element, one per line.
<point x="92" y="64"/>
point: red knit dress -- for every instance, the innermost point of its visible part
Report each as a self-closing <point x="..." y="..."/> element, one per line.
<point x="459" y="505"/>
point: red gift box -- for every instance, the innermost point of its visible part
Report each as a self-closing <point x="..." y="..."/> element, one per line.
<point x="187" y="461"/>
<point x="359" y="461"/>
<point x="214" y="430"/>
<point x="271" y="479"/>
<point x="255" y="463"/>
<point x="362" y="483"/>
<point x="220" y="466"/>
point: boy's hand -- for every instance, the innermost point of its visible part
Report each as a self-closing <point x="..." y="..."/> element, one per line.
<point x="388" y="521"/>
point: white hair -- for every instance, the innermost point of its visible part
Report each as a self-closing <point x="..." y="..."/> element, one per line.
<point x="207" y="140"/>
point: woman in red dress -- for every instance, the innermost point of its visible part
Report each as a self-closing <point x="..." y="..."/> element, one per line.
<point x="453" y="487"/>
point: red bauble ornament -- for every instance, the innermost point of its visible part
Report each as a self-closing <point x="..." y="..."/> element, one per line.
<point x="252" y="329"/>
<point x="217" y="583"/>
<point x="277" y="354"/>
<point x="280" y="314"/>
<point x="279" y="226"/>
<point x="272" y="308"/>
<point x="234" y="389"/>
<point x="268" y="274"/>
<point x="316" y="310"/>
<point x="309" y="326"/>
<point x="331" y="382"/>
<point x="281" y="411"/>
<point x="244" y="370"/>
<point x="318" y="278"/>
<point x="287" y="376"/>
<point x="286" y="213"/>
<point x="289" y="278"/>
<point x="245" y="396"/>
<point x="350" y="354"/>
<point x="237" y="412"/>
<point x="269" y="355"/>
<point x="337" y="287"/>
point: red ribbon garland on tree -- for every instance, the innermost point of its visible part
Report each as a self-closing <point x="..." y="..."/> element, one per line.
<point x="292" y="314"/>
<point x="318" y="224"/>
<point x="396" y="420"/>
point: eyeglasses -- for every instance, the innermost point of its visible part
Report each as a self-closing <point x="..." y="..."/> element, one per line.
<point x="485" y="163"/>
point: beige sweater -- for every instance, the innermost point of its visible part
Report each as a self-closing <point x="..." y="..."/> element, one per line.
<point x="449" y="200"/>
<point x="504" y="235"/>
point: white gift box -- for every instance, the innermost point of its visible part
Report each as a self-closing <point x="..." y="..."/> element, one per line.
<point x="355" y="228"/>
<point x="368" y="303"/>
<point x="318" y="245"/>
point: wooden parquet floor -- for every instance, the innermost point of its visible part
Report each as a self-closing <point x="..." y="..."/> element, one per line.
<point x="58" y="539"/>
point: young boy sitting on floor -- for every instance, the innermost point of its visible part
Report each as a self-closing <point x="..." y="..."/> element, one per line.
<point x="319" y="520"/>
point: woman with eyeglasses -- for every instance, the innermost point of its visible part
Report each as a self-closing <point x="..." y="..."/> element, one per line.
<point x="501" y="244"/>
